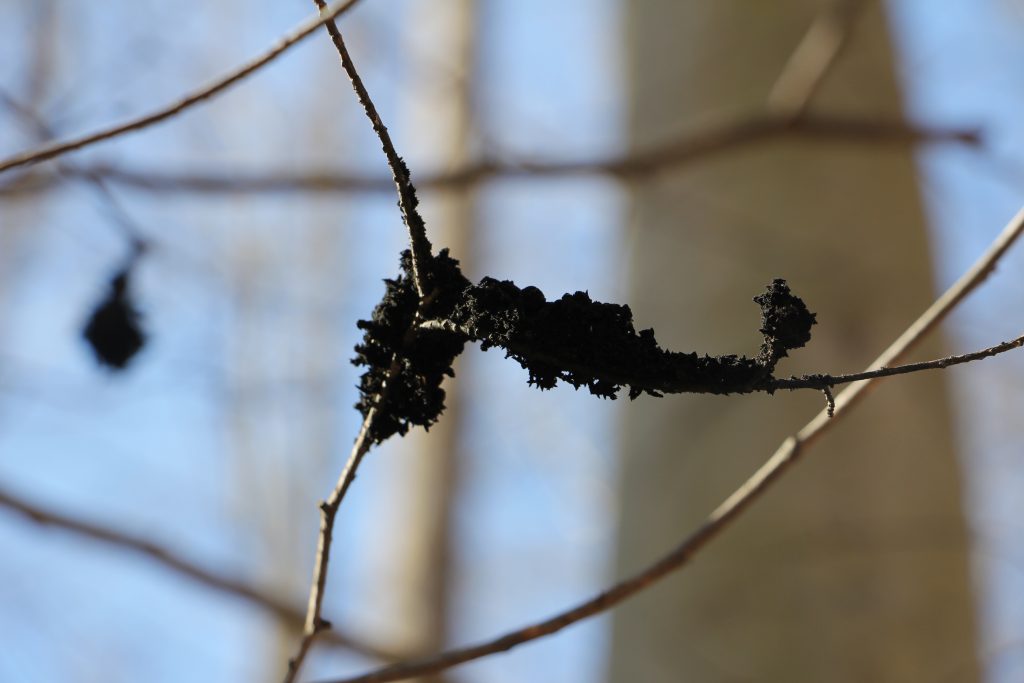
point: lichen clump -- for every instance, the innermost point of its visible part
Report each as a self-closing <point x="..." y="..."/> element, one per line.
<point x="573" y="339"/>
<point x="405" y="367"/>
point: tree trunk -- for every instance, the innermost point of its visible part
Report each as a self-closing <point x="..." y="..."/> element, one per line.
<point x="441" y="114"/>
<point x="855" y="566"/>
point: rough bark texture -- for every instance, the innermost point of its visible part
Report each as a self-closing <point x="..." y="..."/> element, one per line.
<point x="855" y="568"/>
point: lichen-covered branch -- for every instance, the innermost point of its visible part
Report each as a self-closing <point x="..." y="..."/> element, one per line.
<point x="788" y="454"/>
<point x="573" y="339"/>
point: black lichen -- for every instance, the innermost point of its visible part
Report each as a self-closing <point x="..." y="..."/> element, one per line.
<point x="593" y="344"/>
<point x="114" y="330"/>
<point x="785" y="323"/>
<point x="573" y="339"/>
<point x="405" y="369"/>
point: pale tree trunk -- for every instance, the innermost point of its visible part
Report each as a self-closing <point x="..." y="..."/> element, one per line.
<point x="440" y="105"/>
<point x="855" y="566"/>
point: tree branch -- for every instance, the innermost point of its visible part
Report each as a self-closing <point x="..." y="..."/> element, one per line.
<point x="179" y="565"/>
<point x="672" y="372"/>
<point x="314" y="624"/>
<point x="823" y="382"/>
<point x="44" y="131"/>
<point x="420" y="260"/>
<point x="706" y="141"/>
<point x="784" y="457"/>
<point x="58" y="148"/>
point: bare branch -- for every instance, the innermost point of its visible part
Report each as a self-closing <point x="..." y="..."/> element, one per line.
<point x="368" y="435"/>
<point x="314" y="624"/>
<point x="692" y="373"/>
<point x="784" y="457"/>
<point x="46" y="132"/>
<point x="692" y="147"/>
<point x="823" y="382"/>
<point x="403" y="183"/>
<point x="181" y="566"/>
<point x="420" y="263"/>
<point x="285" y="43"/>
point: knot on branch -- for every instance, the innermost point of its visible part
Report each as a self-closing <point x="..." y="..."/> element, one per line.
<point x="405" y="369"/>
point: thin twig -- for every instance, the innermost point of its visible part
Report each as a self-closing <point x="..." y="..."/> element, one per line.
<point x="181" y="566"/>
<point x="58" y="148"/>
<point x="400" y="172"/>
<point x="784" y="457"/>
<point x="45" y="132"/>
<point x="697" y="145"/>
<point x="314" y="624"/>
<point x="822" y="382"/>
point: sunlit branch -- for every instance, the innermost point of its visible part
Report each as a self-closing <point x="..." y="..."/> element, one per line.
<point x="313" y="623"/>
<point x="180" y="566"/>
<point x="828" y="381"/>
<point x="46" y="132"/>
<point x="400" y="172"/>
<point x="188" y="100"/>
<point x="420" y="262"/>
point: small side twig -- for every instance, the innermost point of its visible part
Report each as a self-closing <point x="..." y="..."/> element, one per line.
<point x="179" y="565"/>
<point x="830" y="401"/>
<point x="60" y="147"/>
<point x="825" y="382"/>
<point x="732" y="507"/>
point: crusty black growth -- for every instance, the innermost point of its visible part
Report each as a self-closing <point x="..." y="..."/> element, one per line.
<point x="573" y="339"/>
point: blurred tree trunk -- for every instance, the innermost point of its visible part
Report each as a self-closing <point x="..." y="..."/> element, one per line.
<point x="439" y="100"/>
<point x="855" y="567"/>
